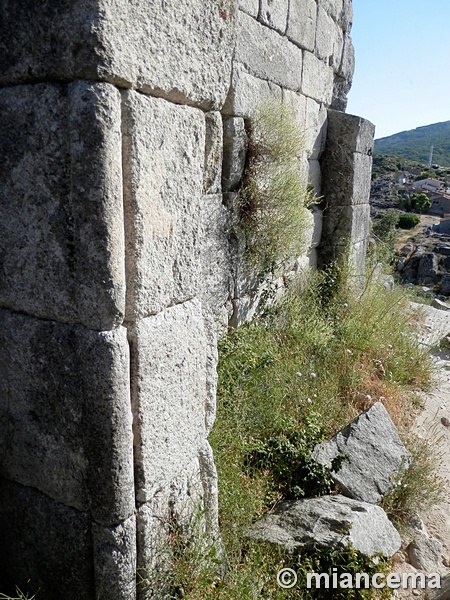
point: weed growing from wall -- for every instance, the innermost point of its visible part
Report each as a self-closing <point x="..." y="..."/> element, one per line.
<point x="275" y="196"/>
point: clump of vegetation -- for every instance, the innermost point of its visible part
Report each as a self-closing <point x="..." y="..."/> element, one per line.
<point x="287" y="381"/>
<point x="416" y="202"/>
<point x="408" y="221"/>
<point x="20" y="596"/>
<point x="275" y="196"/>
<point x="385" y="232"/>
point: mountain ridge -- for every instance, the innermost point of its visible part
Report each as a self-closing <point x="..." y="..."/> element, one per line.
<point x="415" y="144"/>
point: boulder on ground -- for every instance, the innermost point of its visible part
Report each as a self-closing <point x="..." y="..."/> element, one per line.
<point x="329" y="521"/>
<point x="425" y="553"/>
<point x="370" y="453"/>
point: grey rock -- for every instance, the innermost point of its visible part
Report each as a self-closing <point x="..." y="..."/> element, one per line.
<point x="407" y="250"/>
<point x="332" y="7"/>
<point x="115" y="560"/>
<point x="445" y="284"/>
<point x="213" y="153"/>
<point x="412" y="265"/>
<point x="428" y="266"/>
<point x="346" y="17"/>
<point x="318" y="80"/>
<point x="142" y="46"/>
<point x="445" y="422"/>
<point x="248" y="93"/>
<point x="217" y="283"/>
<point x="329" y="40"/>
<point x="442" y="249"/>
<point x="46" y="546"/>
<point x="375" y="455"/>
<point x="164" y="147"/>
<point x="388" y="282"/>
<point x="329" y="521"/>
<point x="66" y="414"/>
<point x="273" y="13"/>
<point x="315" y="128"/>
<point x="61" y="207"/>
<point x="347" y="66"/>
<point x="301" y="28"/>
<point x="251" y="7"/>
<point x="440" y="305"/>
<point x="234" y="152"/>
<point x="443" y="593"/>
<point x="266" y="54"/>
<point x="424" y="553"/>
<point x="169" y="391"/>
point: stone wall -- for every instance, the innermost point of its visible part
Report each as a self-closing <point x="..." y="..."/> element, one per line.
<point x="123" y="146"/>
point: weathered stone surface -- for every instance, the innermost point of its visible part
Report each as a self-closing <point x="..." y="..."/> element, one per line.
<point x="297" y="103"/>
<point x="316" y="128"/>
<point x="115" y="560"/>
<point x="331" y="521"/>
<point x="346" y="18"/>
<point x="179" y="50"/>
<point x="440" y="305"/>
<point x="347" y="222"/>
<point x="213" y="153"/>
<point x="217" y="284"/>
<point x="301" y="27"/>
<point x="317" y="79"/>
<point x="178" y="506"/>
<point x="163" y="172"/>
<point x="428" y="266"/>
<point x="341" y="87"/>
<point x="66" y="413"/>
<point x="442" y="593"/>
<point x="332" y="7"/>
<point x="315" y="175"/>
<point x="273" y="13"/>
<point x="248" y="93"/>
<point x="169" y="391"/>
<point x="61" y="215"/>
<point x="375" y="455"/>
<point x="234" y="152"/>
<point x="266" y="54"/>
<point x="425" y="553"/>
<point x="329" y="40"/>
<point x="251" y="7"/>
<point x="46" y="546"/>
<point x="213" y="329"/>
<point x="347" y="66"/>
<point x="351" y="132"/>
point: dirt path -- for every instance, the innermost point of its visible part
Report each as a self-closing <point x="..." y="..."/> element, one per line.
<point x="428" y="425"/>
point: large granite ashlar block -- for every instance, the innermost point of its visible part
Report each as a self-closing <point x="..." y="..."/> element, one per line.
<point x="169" y="391"/>
<point x="247" y="93"/>
<point x="318" y="79"/>
<point x="179" y="50"/>
<point x="65" y="414"/>
<point x="164" y="150"/>
<point x="267" y="54"/>
<point x="61" y="209"/>
<point x="46" y="547"/>
<point x="302" y="20"/>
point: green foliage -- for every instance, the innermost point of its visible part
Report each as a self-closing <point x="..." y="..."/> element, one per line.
<point x="20" y="596"/>
<point x="287" y="381"/>
<point x="408" y="221"/>
<point x="416" y="202"/>
<point x="275" y="196"/>
<point x="286" y="457"/>
<point x="416" y="486"/>
<point x="384" y="229"/>
<point x="415" y="144"/>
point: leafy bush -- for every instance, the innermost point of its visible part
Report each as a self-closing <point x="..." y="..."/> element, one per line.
<point x="408" y="221"/>
<point x="275" y="195"/>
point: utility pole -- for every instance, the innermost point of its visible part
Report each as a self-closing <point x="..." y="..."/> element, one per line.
<point x="430" y="159"/>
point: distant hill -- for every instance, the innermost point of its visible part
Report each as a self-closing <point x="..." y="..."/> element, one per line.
<point x="415" y="144"/>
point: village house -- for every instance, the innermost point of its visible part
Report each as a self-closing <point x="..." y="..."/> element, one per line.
<point x="428" y="185"/>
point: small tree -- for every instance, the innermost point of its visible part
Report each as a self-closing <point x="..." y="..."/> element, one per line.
<point x="408" y="221"/>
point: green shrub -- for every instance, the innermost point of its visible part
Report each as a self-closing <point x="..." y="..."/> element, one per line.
<point x="408" y="221"/>
<point x="275" y="195"/>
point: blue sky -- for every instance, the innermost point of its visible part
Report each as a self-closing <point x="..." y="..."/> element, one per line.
<point x="402" y="75"/>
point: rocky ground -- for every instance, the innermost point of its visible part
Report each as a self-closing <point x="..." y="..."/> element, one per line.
<point x="433" y="424"/>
